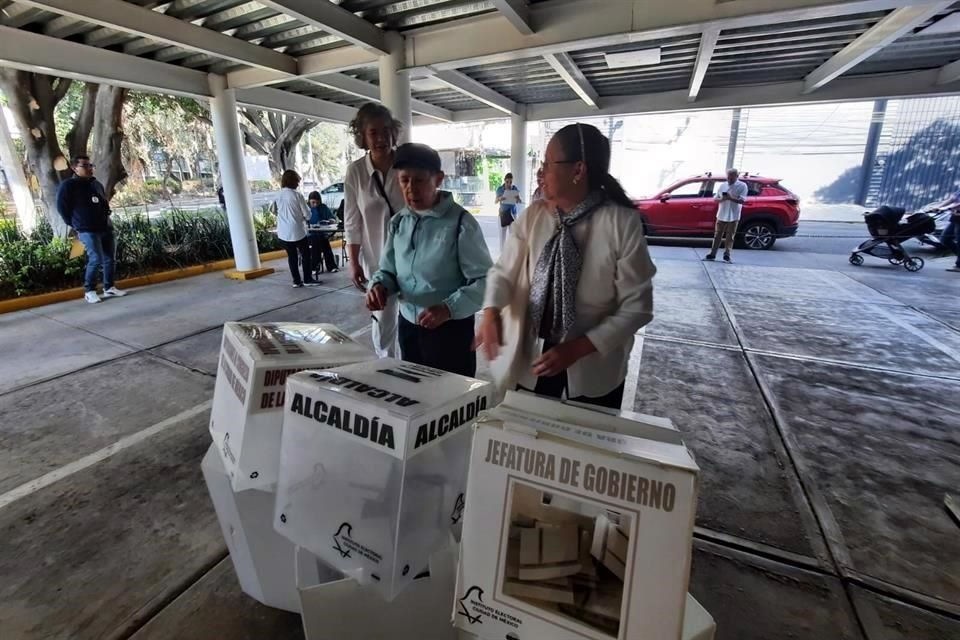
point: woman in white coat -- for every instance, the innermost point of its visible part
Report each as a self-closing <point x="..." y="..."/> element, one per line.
<point x="574" y="282"/>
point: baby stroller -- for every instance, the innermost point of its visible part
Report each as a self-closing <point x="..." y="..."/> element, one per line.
<point x="887" y="232"/>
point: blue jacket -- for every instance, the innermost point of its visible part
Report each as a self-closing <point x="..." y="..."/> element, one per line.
<point x="83" y="204"/>
<point x="435" y="257"/>
<point x="321" y="215"/>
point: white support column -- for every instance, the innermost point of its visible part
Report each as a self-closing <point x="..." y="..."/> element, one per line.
<point x="395" y="85"/>
<point x="13" y="170"/>
<point x="518" y="155"/>
<point x="233" y="174"/>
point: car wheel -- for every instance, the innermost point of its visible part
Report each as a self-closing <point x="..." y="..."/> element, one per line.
<point x="757" y="235"/>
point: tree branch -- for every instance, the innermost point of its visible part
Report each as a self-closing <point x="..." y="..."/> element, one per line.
<point x="63" y="85"/>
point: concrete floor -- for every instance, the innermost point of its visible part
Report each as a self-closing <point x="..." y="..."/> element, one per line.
<point x="819" y="400"/>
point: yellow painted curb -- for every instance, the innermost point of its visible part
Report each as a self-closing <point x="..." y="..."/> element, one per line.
<point x="43" y="299"/>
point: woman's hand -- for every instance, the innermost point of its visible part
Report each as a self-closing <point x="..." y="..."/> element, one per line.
<point x="490" y="334"/>
<point x="377" y="298"/>
<point x="356" y="273"/>
<point x="561" y="357"/>
<point x="434" y="316"/>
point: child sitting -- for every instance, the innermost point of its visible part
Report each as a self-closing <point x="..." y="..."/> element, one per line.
<point x="436" y="260"/>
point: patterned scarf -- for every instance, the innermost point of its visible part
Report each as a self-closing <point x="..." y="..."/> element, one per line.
<point x="557" y="274"/>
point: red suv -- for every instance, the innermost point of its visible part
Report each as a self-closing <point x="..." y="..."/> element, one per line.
<point x="687" y="209"/>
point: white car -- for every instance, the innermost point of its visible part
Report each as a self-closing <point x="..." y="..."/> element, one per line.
<point x="332" y="196"/>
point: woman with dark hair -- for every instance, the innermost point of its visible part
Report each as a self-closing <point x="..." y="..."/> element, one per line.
<point x="320" y="249"/>
<point x="292" y="216"/>
<point x="372" y="196"/>
<point x="574" y="282"/>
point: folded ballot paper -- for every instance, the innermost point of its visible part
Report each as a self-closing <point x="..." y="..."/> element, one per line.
<point x="578" y="524"/>
<point x="255" y="361"/>
<point x="374" y="466"/>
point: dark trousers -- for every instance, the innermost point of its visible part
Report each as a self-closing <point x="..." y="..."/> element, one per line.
<point x="301" y="247"/>
<point x="448" y="347"/>
<point x="951" y="237"/>
<point x="320" y="250"/>
<point x="556" y="387"/>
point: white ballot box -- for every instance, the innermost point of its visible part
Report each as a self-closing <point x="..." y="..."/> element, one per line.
<point x="698" y="624"/>
<point x="573" y="532"/>
<point x="262" y="558"/>
<point x="374" y="464"/>
<point x="343" y="609"/>
<point x="255" y="361"/>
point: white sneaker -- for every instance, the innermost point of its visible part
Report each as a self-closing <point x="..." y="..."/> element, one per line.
<point x="113" y="292"/>
<point x="91" y="297"/>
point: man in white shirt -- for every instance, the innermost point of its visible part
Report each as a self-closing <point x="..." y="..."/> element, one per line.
<point x="731" y="195"/>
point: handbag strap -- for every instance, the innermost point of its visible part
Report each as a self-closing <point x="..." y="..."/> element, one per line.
<point x="383" y="192"/>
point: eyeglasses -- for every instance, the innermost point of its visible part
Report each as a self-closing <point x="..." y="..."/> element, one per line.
<point x="546" y="163"/>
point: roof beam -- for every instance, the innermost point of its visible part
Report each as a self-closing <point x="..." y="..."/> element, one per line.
<point x="468" y="86"/>
<point x="517" y="12"/>
<point x="563" y="26"/>
<point x="708" y="42"/>
<point x="325" y="15"/>
<point x="294" y="104"/>
<point x="131" y="18"/>
<point x="355" y="87"/>
<point x="949" y="73"/>
<point x="899" y="85"/>
<point x="873" y="40"/>
<point x="314" y="64"/>
<point x="34" y="52"/>
<point x="567" y="69"/>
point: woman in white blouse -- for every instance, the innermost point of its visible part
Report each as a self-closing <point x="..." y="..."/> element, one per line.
<point x="371" y="196"/>
<point x="292" y="217"/>
<point x="574" y="282"/>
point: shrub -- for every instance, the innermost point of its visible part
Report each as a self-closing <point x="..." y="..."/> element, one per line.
<point x="36" y="262"/>
<point x="259" y="186"/>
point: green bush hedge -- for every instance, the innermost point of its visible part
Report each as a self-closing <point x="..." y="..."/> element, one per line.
<point x="38" y="262"/>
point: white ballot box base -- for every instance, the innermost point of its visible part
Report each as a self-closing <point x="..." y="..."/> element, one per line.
<point x="337" y="608"/>
<point x="262" y="558"/>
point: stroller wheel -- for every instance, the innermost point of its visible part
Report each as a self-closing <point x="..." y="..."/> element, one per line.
<point x="913" y="264"/>
<point x="895" y="261"/>
<point x="856" y="259"/>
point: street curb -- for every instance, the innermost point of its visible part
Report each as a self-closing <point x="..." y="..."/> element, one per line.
<point x="43" y="299"/>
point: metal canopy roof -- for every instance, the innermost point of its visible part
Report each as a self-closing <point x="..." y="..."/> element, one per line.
<point x="472" y="59"/>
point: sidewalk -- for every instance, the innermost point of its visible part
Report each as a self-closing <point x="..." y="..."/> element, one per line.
<point x="816" y="401"/>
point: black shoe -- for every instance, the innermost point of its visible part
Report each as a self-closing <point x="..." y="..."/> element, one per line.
<point x="312" y="283"/>
<point x="710" y="257"/>
<point x="298" y="285"/>
<point x="726" y="258"/>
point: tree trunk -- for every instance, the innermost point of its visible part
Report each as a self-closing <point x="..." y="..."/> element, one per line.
<point x="78" y="137"/>
<point x="277" y="138"/>
<point x="108" y="137"/>
<point x="32" y="98"/>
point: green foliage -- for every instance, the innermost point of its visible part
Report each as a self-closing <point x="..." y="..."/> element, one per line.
<point x="36" y="262"/>
<point x="492" y="167"/>
<point x="259" y="186"/>
<point x="148" y="192"/>
<point x="30" y="261"/>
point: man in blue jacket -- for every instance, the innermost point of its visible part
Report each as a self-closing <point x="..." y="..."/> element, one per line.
<point x="436" y="260"/>
<point x="83" y="205"/>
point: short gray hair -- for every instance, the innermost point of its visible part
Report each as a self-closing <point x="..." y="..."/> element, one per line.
<point x="373" y="111"/>
<point x="732" y="170"/>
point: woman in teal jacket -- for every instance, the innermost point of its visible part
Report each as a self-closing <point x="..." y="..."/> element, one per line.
<point x="436" y="260"/>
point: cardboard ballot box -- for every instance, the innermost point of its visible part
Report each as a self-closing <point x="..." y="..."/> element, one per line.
<point x="262" y="558"/>
<point x="582" y="535"/>
<point x="343" y="609"/>
<point x="374" y="464"/>
<point x="698" y="624"/>
<point x="255" y="361"/>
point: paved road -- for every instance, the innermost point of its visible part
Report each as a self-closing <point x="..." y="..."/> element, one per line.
<point x="836" y="238"/>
